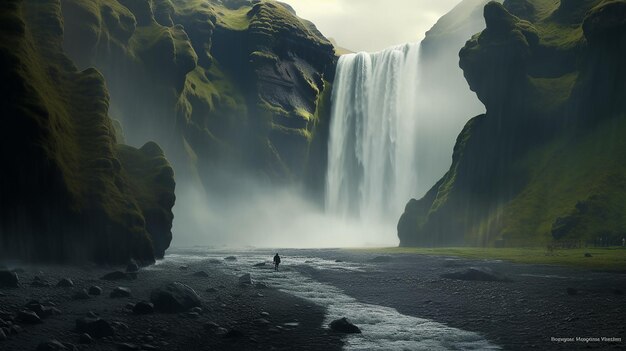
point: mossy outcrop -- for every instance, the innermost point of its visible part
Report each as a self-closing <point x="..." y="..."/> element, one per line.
<point x="547" y="159"/>
<point x="217" y="83"/>
<point x="68" y="191"/>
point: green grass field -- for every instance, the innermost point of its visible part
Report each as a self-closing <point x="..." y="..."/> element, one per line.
<point x="604" y="259"/>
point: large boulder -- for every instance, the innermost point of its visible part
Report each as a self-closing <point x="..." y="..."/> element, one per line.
<point x="174" y="297"/>
<point x="343" y="325"/>
<point x="8" y="279"/>
<point x="477" y="274"/>
<point x="95" y="327"/>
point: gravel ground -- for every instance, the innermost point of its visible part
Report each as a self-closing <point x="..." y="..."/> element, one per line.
<point x="524" y="313"/>
<point x="535" y="304"/>
<point x="227" y="303"/>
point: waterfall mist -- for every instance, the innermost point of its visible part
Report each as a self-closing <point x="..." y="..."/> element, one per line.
<point x="392" y="130"/>
<point x="395" y="117"/>
<point x="250" y="212"/>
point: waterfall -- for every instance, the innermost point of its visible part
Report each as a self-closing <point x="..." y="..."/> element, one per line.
<point x="371" y="152"/>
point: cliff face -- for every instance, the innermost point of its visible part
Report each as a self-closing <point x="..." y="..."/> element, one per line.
<point x="68" y="191"/>
<point x="445" y="100"/>
<point x="217" y="83"/>
<point x="546" y="161"/>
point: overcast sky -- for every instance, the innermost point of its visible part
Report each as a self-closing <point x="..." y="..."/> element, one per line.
<point x="372" y="25"/>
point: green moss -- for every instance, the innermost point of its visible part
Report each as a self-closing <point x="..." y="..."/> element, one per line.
<point x="237" y="20"/>
<point x="546" y="161"/>
<point x="551" y="93"/>
<point x="263" y="56"/>
<point x="604" y="259"/>
<point x="447" y="186"/>
<point x="198" y="65"/>
<point x="70" y="141"/>
<point x="572" y="168"/>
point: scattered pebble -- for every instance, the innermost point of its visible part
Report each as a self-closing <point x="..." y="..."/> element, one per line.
<point x="85" y="338"/>
<point x="9" y="279"/>
<point x="245" y="279"/>
<point x="116" y="275"/>
<point x="120" y="292"/>
<point x="343" y="325"/>
<point x="28" y="317"/>
<point x="95" y="327"/>
<point x="65" y="283"/>
<point x="143" y="307"/>
<point x="81" y="295"/>
<point x="128" y="347"/>
<point x="132" y="266"/>
<point x="94" y="290"/>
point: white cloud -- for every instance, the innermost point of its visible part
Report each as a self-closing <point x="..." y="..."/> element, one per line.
<point x="372" y="25"/>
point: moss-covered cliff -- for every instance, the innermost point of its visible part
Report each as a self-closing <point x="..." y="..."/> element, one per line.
<point x="547" y="159"/>
<point x="68" y="191"/>
<point x="217" y="83"/>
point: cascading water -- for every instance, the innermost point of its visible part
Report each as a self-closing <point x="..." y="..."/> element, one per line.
<point x="371" y="156"/>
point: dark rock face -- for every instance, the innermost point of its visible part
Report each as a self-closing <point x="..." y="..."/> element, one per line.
<point x="75" y="199"/>
<point x="8" y="279"/>
<point x="174" y="297"/>
<point x="552" y="94"/>
<point x="235" y="84"/>
<point x="343" y="325"/>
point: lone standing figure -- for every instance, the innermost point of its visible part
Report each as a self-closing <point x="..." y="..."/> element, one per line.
<point x="276" y="261"/>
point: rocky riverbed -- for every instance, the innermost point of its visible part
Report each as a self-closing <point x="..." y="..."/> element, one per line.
<point x="199" y="299"/>
<point x="74" y="307"/>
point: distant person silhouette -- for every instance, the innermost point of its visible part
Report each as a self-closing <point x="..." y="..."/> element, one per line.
<point x="623" y="242"/>
<point x="276" y="261"/>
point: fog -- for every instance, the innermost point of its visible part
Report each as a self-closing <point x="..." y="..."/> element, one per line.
<point x="257" y="214"/>
<point x="372" y="25"/>
<point x="247" y="211"/>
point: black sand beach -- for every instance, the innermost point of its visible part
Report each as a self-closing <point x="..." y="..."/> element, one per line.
<point x="533" y="305"/>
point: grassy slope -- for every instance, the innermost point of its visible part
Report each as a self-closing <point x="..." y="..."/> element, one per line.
<point x="581" y="165"/>
<point x="578" y="162"/>
<point x="605" y="259"/>
<point x="568" y="170"/>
